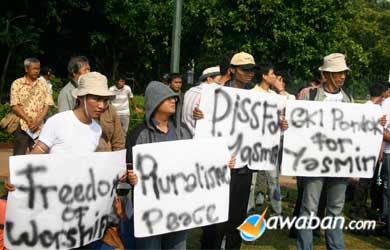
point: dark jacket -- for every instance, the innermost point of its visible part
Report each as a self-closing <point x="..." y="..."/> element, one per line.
<point x="155" y="93"/>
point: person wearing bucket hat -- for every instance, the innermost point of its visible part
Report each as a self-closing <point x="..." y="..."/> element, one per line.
<point x="76" y="131"/>
<point x="210" y="76"/>
<point x="92" y="95"/>
<point x="334" y="69"/>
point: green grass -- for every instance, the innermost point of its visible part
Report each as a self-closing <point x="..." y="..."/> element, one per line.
<point x="273" y="239"/>
<point x="135" y="118"/>
<point x="279" y="240"/>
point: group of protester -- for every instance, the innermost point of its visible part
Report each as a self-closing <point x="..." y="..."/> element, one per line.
<point x="93" y="117"/>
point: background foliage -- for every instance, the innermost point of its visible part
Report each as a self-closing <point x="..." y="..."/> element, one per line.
<point x="133" y="37"/>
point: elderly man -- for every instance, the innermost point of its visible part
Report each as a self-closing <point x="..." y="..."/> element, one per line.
<point x="79" y="132"/>
<point x="30" y="100"/>
<point x="334" y="69"/>
<point x="77" y="66"/>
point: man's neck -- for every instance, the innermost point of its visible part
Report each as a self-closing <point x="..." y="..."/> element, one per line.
<point x="225" y="78"/>
<point x="264" y="85"/>
<point x="162" y="120"/>
<point x="238" y="84"/>
<point x="376" y="99"/>
<point x="30" y="79"/>
<point x="330" y="88"/>
<point x="119" y="87"/>
<point x="82" y="116"/>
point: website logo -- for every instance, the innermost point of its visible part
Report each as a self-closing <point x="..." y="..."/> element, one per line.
<point x="253" y="227"/>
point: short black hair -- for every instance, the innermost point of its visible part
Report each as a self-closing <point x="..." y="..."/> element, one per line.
<point x="164" y="78"/>
<point x="377" y="89"/>
<point x="285" y="75"/>
<point x="224" y="64"/>
<point x="265" y="68"/>
<point x="46" y="71"/>
<point x="316" y="82"/>
<point x="174" y="76"/>
<point x="122" y="77"/>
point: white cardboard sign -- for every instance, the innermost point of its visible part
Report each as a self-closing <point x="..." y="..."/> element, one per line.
<point x="249" y="120"/>
<point x="182" y="184"/>
<point x="61" y="201"/>
<point x="331" y="139"/>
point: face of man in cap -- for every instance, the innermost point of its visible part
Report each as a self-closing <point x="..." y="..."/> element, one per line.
<point x="242" y="75"/>
<point x="215" y="79"/>
<point x="243" y="65"/>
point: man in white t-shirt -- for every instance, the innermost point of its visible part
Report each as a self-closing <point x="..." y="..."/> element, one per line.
<point x="76" y="131"/>
<point x="121" y="102"/>
<point x="79" y="131"/>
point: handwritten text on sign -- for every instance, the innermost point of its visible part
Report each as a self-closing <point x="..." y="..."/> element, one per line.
<point x="61" y="201"/>
<point x="249" y="121"/>
<point x="331" y="139"/>
<point x="182" y="184"/>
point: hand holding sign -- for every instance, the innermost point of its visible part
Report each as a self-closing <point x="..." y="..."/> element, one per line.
<point x="250" y="121"/>
<point x="61" y="201"/>
<point x="331" y="139"/>
<point x="194" y="178"/>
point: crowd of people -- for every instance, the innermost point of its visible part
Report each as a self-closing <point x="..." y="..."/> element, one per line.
<point x="93" y="117"/>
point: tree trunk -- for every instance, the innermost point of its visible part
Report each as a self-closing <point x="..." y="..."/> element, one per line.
<point x="4" y="73"/>
<point x="115" y="65"/>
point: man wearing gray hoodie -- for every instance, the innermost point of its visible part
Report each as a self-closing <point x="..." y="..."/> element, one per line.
<point x="161" y="123"/>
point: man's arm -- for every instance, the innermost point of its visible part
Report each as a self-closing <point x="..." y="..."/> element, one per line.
<point x="20" y="112"/>
<point x="39" y="119"/>
<point x="137" y="110"/>
<point x="40" y="148"/>
<point x="386" y="135"/>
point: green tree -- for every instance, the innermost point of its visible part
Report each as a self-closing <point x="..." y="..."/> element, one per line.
<point x="17" y="35"/>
